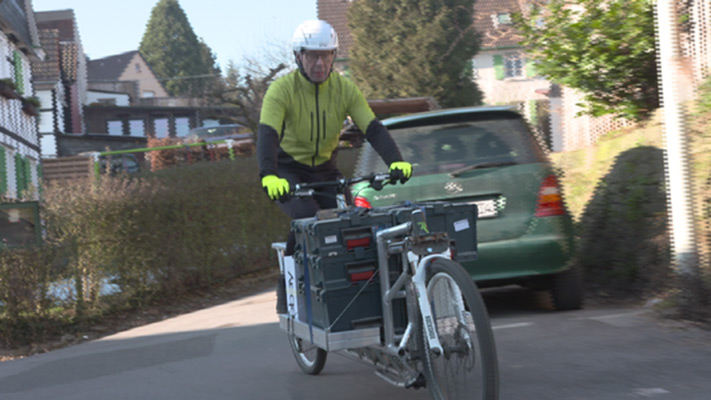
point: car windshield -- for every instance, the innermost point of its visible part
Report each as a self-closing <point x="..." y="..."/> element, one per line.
<point x="463" y="146"/>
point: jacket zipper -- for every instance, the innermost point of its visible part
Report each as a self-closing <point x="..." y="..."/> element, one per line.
<point x="318" y="130"/>
<point x="312" y="127"/>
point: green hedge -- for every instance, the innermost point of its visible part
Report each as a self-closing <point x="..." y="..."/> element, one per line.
<point x="147" y="237"/>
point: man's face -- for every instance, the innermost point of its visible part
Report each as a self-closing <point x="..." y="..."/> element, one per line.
<point x="317" y="64"/>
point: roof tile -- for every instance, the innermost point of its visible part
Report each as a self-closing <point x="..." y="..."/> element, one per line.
<point x="335" y="12"/>
<point x="109" y="69"/>
<point x="48" y="70"/>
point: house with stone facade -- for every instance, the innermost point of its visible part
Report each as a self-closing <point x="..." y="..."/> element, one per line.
<point x="19" y="140"/>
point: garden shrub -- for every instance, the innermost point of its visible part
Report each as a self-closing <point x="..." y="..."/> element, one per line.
<point x="127" y="241"/>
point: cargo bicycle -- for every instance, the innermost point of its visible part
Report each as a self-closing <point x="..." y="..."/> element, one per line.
<point x="383" y="287"/>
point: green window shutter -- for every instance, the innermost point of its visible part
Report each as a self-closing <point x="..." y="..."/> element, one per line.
<point x="19" y="79"/>
<point x="19" y="174"/>
<point x="23" y="173"/>
<point x="19" y="183"/>
<point x="28" y="173"/>
<point x="533" y="112"/>
<point x="39" y="177"/>
<point x="531" y="69"/>
<point x="499" y="72"/>
<point x="3" y="171"/>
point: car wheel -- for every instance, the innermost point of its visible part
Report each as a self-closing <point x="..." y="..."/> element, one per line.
<point x="566" y="289"/>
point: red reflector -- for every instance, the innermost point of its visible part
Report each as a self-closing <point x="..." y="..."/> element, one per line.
<point x="361" y="242"/>
<point x="361" y="276"/>
<point x="550" y="199"/>
<point x="361" y="201"/>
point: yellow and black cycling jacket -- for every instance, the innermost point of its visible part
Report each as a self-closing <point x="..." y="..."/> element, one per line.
<point x="301" y="121"/>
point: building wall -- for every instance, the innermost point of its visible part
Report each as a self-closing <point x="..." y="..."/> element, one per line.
<point x="506" y="90"/>
<point x="138" y="70"/>
<point x="51" y="122"/>
<point x="119" y="99"/>
<point x="19" y="140"/>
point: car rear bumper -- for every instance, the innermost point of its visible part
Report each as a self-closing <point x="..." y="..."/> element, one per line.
<point x="524" y="257"/>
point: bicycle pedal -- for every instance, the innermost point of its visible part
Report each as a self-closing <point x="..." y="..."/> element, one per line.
<point x="420" y="382"/>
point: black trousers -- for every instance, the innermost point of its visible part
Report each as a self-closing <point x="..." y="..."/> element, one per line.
<point x="307" y="207"/>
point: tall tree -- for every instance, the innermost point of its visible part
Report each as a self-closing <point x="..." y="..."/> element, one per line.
<point x="604" y="49"/>
<point x="406" y="48"/>
<point x="176" y="54"/>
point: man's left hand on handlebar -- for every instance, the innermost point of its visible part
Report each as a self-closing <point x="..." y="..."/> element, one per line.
<point x="400" y="171"/>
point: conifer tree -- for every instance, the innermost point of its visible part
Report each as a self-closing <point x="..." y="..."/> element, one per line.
<point x="176" y="54"/>
<point x="409" y="48"/>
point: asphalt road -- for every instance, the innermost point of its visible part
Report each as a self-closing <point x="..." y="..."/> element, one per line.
<point x="236" y="351"/>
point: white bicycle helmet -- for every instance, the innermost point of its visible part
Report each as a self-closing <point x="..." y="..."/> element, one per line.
<point x="314" y="35"/>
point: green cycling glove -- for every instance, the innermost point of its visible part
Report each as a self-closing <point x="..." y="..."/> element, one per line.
<point x="400" y="171"/>
<point x="277" y="188"/>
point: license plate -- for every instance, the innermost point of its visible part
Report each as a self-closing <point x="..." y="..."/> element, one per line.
<point x="486" y="208"/>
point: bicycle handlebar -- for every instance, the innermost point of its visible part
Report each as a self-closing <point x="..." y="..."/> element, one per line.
<point x="376" y="180"/>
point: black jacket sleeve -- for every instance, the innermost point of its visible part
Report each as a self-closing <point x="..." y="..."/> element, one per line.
<point x="379" y="137"/>
<point x="267" y="150"/>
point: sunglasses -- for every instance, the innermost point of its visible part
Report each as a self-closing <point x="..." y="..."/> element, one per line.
<point x="313" y="56"/>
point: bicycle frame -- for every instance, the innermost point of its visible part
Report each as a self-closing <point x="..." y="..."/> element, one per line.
<point x="389" y="352"/>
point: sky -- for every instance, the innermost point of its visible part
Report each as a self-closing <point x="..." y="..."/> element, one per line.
<point x="234" y="29"/>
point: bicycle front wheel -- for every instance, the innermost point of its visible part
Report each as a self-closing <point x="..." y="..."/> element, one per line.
<point x="310" y="358"/>
<point x="468" y="366"/>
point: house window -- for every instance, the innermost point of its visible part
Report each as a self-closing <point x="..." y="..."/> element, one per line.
<point x="161" y="127"/>
<point x="138" y="67"/>
<point x="135" y="127"/>
<point x="513" y="65"/>
<point x="148" y="94"/>
<point x="475" y="70"/>
<point x="182" y="126"/>
<point x="114" y="127"/>
<point x="504" y="18"/>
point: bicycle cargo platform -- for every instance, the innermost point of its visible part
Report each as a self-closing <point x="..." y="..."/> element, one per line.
<point x="330" y="341"/>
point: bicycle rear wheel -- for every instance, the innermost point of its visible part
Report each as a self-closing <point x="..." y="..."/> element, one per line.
<point x="468" y="367"/>
<point x="310" y="358"/>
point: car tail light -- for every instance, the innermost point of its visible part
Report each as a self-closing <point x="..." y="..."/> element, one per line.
<point x="550" y="198"/>
<point x="361" y="201"/>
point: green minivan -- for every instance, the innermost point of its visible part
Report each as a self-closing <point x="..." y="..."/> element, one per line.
<point x="490" y="157"/>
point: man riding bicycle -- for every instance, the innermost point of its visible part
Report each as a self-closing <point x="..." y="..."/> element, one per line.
<point x="299" y="127"/>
